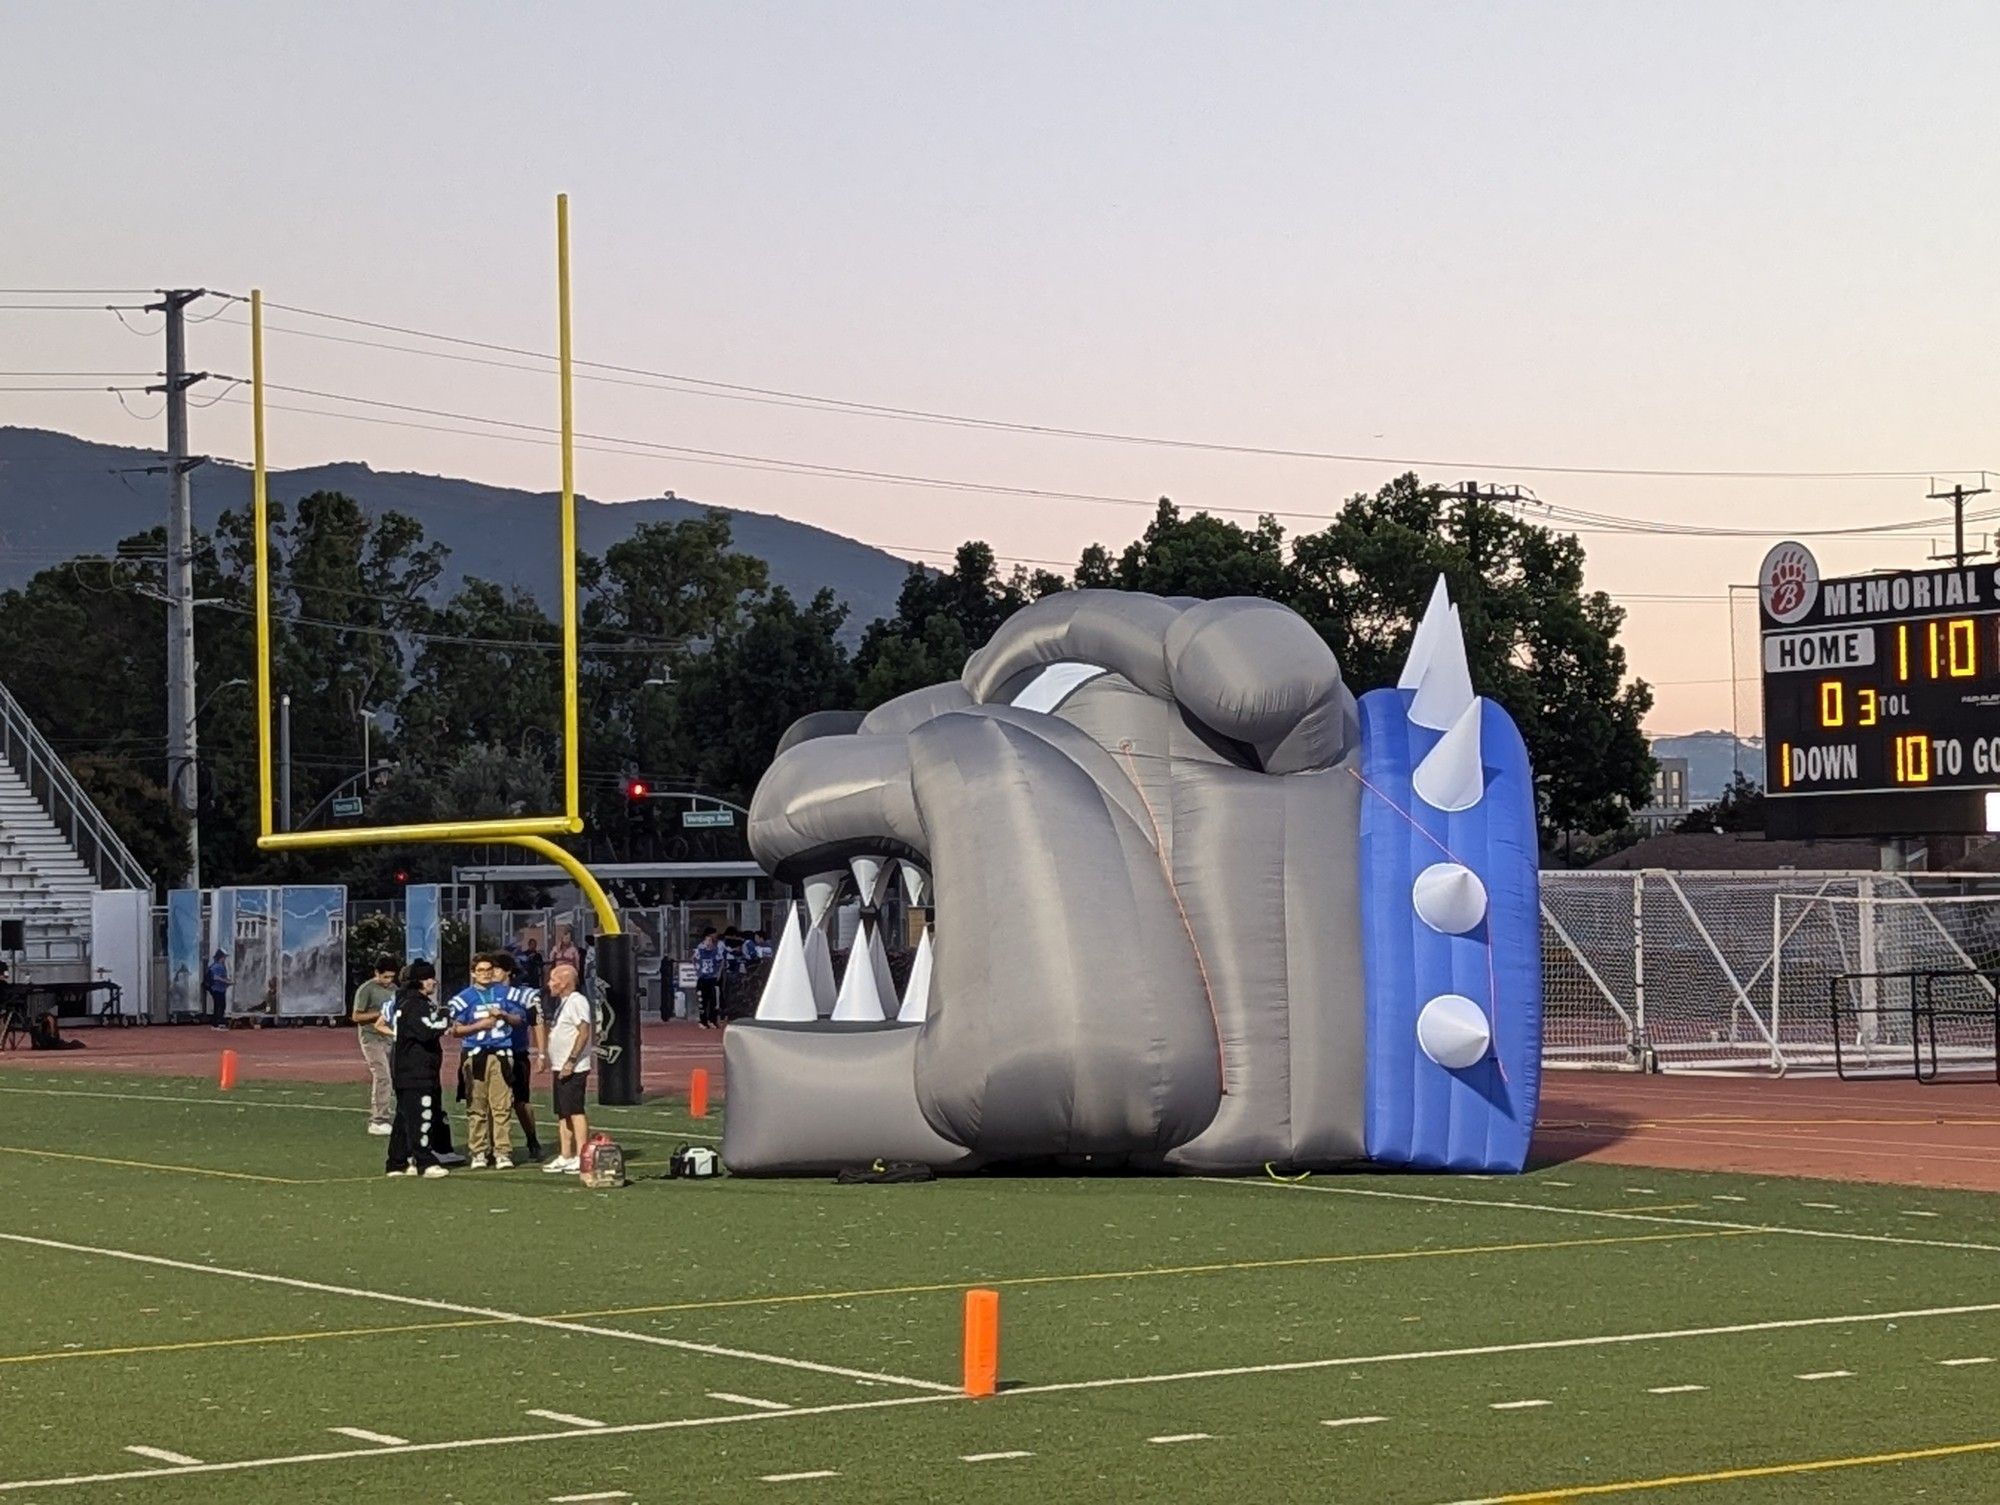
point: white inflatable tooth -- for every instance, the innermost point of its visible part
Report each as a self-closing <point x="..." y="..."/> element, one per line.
<point x="1453" y="1032"/>
<point x="862" y="998"/>
<point x="917" y="991"/>
<point x="1451" y="777"/>
<point x="1446" y="687"/>
<point x="788" y="989"/>
<point x="1449" y="897"/>
<point x="820" y="889"/>
<point x="819" y="972"/>
<point x="1429" y="626"/>
<point x="915" y="881"/>
<point x="867" y="876"/>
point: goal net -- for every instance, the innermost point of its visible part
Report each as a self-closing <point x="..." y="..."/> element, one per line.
<point x="1867" y="968"/>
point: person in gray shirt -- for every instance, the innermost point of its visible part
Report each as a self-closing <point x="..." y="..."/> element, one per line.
<point x="369" y="1001"/>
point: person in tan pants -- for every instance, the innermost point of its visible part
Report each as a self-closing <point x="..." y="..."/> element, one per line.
<point x="484" y="1019"/>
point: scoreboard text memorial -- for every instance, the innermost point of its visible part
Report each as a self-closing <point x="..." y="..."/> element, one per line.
<point x="1881" y="699"/>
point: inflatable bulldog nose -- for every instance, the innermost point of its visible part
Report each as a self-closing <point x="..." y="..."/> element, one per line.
<point x="1195" y="908"/>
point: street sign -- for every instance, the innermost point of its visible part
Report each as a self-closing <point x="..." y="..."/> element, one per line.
<point x="345" y="806"/>
<point x="708" y="817"/>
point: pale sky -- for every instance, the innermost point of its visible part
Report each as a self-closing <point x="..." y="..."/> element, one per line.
<point x="1685" y="237"/>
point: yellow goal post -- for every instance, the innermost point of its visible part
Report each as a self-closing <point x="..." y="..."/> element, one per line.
<point x="533" y="831"/>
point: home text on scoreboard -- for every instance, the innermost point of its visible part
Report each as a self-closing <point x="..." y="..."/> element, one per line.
<point x="1881" y="699"/>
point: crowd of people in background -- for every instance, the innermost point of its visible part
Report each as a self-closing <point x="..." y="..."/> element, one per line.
<point x="722" y="961"/>
<point x="508" y="1028"/>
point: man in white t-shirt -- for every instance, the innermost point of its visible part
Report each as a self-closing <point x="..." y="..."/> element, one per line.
<point x="570" y="1056"/>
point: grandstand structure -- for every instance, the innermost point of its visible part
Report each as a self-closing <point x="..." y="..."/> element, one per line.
<point x="57" y="853"/>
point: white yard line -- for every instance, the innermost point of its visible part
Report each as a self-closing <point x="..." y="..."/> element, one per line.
<point x="748" y="1418"/>
<point x="1518" y="1405"/>
<point x="1962" y="1363"/>
<point x="745" y="1400"/>
<point x="556" y="1324"/>
<point x="1675" y="1389"/>
<point x="565" y="1418"/>
<point x="606" y="1494"/>
<point x="1181" y="1437"/>
<point x="1353" y="1421"/>
<point x="992" y="1457"/>
<point x="1826" y="1374"/>
<point x="163" y="1455"/>
<point x="1603" y="1212"/>
<point x="817" y="1473"/>
<point x="360" y="1434"/>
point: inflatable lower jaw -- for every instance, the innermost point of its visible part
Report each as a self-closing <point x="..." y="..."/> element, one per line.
<point x="812" y="1099"/>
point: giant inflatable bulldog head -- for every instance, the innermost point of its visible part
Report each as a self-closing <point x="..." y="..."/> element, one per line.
<point x="1195" y="907"/>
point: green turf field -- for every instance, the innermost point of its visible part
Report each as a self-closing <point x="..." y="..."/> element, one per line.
<point x="230" y="1282"/>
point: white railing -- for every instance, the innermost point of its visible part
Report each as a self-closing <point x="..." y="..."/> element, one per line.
<point x="56" y="790"/>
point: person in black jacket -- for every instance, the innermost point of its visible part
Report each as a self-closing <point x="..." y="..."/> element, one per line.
<point x="416" y="1068"/>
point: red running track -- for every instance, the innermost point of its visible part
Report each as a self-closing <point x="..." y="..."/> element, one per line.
<point x="1893" y="1131"/>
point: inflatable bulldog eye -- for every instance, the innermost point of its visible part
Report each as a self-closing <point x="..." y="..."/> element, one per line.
<point x="1196" y="908"/>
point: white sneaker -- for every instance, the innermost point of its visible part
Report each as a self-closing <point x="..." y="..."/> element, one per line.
<point x="555" y="1167"/>
<point x="432" y="1172"/>
<point x="503" y="1164"/>
<point x="381" y="1129"/>
<point x="572" y="1167"/>
<point x="478" y="1163"/>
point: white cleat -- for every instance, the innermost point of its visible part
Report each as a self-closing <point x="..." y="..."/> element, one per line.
<point x="503" y="1164"/>
<point x="432" y="1172"/>
<point x="381" y="1130"/>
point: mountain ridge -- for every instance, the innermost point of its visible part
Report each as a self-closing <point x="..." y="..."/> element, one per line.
<point x="61" y="496"/>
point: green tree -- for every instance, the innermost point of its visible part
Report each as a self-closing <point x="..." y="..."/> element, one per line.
<point x="1741" y="808"/>
<point x="941" y="617"/>
<point x="780" y="660"/>
<point x="1538" y="642"/>
<point x="1202" y="555"/>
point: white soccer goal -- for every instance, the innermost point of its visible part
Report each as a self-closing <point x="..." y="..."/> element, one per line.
<point x="1893" y="978"/>
<point x="1714" y="970"/>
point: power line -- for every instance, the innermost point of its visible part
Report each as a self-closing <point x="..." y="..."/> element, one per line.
<point x="962" y="420"/>
<point x="732" y="459"/>
<point x="73" y="292"/>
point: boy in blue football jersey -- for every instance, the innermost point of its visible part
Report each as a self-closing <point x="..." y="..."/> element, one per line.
<point x="484" y="1019"/>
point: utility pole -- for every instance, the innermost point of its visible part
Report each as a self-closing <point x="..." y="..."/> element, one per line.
<point x="183" y="779"/>
<point x="1957" y="497"/>
<point x="284" y="762"/>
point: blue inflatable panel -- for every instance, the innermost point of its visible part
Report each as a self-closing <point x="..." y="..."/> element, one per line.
<point x="1419" y="1114"/>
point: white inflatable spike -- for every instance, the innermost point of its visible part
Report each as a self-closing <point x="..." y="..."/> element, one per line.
<point x="1453" y="1032"/>
<point x="1451" y="778"/>
<point x="867" y="876"/>
<point x="1445" y="689"/>
<point x="915" y="881"/>
<point x="861" y="998"/>
<point x="820" y="889"/>
<point x="819" y="972"/>
<point x="788" y="990"/>
<point x="1432" y="623"/>
<point x="917" y="991"/>
<point x="1449" y="898"/>
<point x="885" y="980"/>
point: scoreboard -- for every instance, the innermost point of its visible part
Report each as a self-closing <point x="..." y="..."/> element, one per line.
<point x="1881" y="699"/>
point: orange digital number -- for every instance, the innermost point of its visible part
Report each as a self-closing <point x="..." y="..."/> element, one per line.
<point x="1832" y="703"/>
<point x="1913" y="759"/>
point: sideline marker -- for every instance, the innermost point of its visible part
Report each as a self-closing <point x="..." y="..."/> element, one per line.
<point x="982" y="1342"/>
<point x="228" y="1077"/>
<point x="698" y="1092"/>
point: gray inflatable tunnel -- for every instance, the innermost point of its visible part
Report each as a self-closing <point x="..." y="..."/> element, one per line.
<point x="1193" y="907"/>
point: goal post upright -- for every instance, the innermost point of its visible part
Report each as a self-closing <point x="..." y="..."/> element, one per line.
<point x="530" y="832"/>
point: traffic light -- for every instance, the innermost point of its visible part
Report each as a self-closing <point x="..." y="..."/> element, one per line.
<point x="637" y="789"/>
<point x="402" y="875"/>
